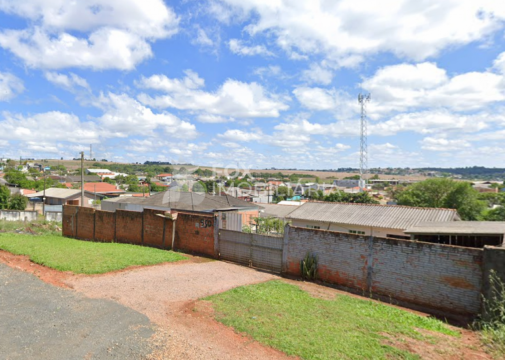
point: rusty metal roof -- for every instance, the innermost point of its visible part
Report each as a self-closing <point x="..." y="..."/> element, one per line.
<point x="383" y="216"/>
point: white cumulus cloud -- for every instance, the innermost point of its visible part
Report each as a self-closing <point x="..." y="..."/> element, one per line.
<point x="10" y="86"/>
<point x="112" y="34"/>
<point x="233" y="98"/>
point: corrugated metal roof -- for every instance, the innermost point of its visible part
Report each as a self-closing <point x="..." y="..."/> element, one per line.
<point x="56" y="193"/>
<point x="459" y="228"/>
<point x="180" y="200"/>
<point x="278" y="211"/>
<point x="384" y="216"/>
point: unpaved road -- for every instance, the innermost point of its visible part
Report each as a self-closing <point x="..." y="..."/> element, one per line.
<point x="167" y="295"/>
<point x="41" y="321"/>
<point x="161" y="300"/>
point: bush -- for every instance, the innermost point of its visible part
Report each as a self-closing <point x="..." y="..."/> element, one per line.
<point x="491" y="322"/>
<point x="309" y="267"/>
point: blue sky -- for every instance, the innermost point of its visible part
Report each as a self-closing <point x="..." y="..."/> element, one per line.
<point x="261" y="83"/>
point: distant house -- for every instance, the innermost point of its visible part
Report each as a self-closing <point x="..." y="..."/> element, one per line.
<point x="164" y="177"/>
<point x="346" y="183"/>
<point x="367" y="219"/>
<point x="86" y="178"/>
<point x="181" y="201"/>
<point x="57" y="197"/>
<point x="98" y="171"/>
<point x="103" y="188"/>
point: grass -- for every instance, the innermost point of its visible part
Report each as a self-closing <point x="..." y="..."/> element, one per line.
<point x="289" y="319"/>
<point x="83" y="257"/>
<point x="38" y="227"/>
<point x="491" y="321"/>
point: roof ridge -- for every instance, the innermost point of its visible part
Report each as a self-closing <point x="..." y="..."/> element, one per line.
<point x="379" y="205"/>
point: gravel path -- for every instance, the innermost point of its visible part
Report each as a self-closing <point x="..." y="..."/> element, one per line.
<point x="167" y="294"/>
<point x="41" y="321"/>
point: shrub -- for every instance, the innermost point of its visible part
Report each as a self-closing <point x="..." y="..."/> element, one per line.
<point x="491" y="322"/>
<point x="309" y="266"/>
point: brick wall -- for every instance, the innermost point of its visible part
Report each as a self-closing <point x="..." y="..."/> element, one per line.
<point x="69" y="220"/>
<point x="105" y="226"/>
<point x="129" y="227"/>
<point x="85" y="224"/>
<point x="195" y="233"/>
<point x="157" y="230"/>
<point x="437" y="276"/>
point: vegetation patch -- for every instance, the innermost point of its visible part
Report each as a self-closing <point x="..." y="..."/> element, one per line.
<point x="491" y="323"/>
<point x="83" y="257"/>
<point x="289" y="319"/>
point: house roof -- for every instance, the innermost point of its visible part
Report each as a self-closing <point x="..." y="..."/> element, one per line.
<point x="101" y="188"/>
<point x="192" y="201"/>
<point x="276" y="210"/>
<point x="56" y="193"/>
<point x="383" y="216"/>
<point x="94" y="171"/>
<point x="77" y="178"/>
<point x="458" y="228"/>
<point x="164" y="175"/>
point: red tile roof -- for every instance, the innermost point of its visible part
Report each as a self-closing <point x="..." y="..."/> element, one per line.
<point x="163" y="175"/>
<point x="101" y="187"/>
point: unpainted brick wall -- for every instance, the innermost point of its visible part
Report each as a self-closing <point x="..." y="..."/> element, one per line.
<point x="85" y="224"/>
<point x="153" y="229"/>
<point x="195" y="233"/>
<point x="129" y="227"/>
<point x="105" y="226"/>
<point x="69" y="220"/>
<point x="436" y="276"/>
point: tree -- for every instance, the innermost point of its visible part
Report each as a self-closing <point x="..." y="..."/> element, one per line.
<point x="185" y="188"/>
<point x="444" y="193"/>
<point x="282" y="193"/>
<point x="18" y="202"/>
<point x="497" y="214"/>
<point x="358" y="198"/>
<point x="314" y="194"/>
<point x="4" y="197"/>
<point x="199" y="186"/>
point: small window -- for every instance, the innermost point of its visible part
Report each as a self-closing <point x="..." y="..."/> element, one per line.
<point x="313" y="227"/>
<point x="355" y="232"/>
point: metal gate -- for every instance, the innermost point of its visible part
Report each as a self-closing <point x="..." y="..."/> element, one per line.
<point x="230" y="221"/>
<point x="259" y="251"/>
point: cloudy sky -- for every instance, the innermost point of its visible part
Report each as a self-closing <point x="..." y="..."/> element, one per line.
<point x="266" y="83"/>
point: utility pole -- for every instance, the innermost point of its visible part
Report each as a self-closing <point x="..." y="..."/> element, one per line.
<point x="363" y="146"/>
<point x="44" y="198"/>
<point x="82" y="178"/>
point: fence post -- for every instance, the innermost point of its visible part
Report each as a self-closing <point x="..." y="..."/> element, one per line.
<point x="216" y="235"/>
<point x="285" y="243"/>
<point x="369" y="267"/>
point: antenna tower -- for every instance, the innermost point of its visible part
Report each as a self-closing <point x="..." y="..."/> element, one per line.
<point x="363" y="144"/>
<point x="90" y="151"/>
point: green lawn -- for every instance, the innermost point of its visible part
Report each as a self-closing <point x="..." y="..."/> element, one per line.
<point x="289" y="319"/>
<point x="83" y="257"/>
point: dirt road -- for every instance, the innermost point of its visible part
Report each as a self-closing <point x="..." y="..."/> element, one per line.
<point x="167" y="295"/>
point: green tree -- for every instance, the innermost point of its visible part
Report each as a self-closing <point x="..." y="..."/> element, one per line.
<point x="358" y="198"/>
<point x="444" y="193"/>
<point x="497" y="214"/>
<point x="199" y="186"/>
<point x="314" y="194"/>
<point x="4" y="197"/>
<point x="18" y="202"/>
<point x="282" y="193"/>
